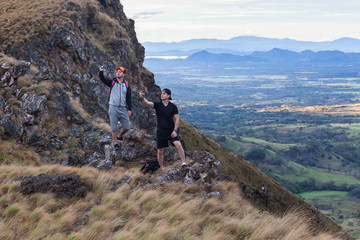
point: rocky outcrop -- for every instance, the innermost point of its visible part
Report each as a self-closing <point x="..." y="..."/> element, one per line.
<point x="41" y="79"/>
<point x="203" y="169"/>
<point x="60" y="185"/>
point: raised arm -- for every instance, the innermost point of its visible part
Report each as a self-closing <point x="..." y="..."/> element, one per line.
<point x="144" y="100"/>
<point x="105" y="80"/>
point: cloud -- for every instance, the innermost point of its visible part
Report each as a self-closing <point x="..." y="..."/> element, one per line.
<point x="145" y="15"/>
<point x="164" y="20"/>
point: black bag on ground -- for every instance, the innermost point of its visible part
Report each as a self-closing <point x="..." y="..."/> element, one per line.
<point x="150" y="166"/>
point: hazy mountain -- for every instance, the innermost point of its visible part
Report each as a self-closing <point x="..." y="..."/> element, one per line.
<point x="246" y="44"/>
<point x="280" y="56"/>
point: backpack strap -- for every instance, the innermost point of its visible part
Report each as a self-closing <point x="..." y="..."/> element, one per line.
<point x="112" y="85"/>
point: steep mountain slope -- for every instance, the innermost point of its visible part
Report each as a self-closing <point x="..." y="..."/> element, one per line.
<point x="53" y="107"/>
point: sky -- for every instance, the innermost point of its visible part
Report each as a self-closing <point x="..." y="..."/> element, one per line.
<point x="306" y="20"/>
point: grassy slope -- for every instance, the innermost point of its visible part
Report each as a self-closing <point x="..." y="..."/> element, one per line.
<point x="136" y="210"/>
<point x="276" y="199"/>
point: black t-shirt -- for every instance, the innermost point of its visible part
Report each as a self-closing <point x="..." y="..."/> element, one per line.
<point x="165" y="116"/>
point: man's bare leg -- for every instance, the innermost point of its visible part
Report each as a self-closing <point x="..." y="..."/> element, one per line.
<point x="160" y="157"/>
<point x="113" y="134"/>
<point x="122" y="132"/>
<point x="180" y="151"/>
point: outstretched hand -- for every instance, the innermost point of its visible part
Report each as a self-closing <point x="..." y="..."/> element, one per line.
<point x="101" y="68"/>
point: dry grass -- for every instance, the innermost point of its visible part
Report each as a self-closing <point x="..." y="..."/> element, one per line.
<point x="24" y="18"/>
<point x="12" y="153"/>
<point x="24" y="81"/>
<point x="132" y="212"/>
<point x="4" y="58"/>
<point x="42" y="88"/>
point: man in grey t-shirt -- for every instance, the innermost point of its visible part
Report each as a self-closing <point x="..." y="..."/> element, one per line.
<point x="119" y="98"/>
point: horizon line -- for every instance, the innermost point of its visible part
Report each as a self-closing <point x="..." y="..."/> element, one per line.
<point x="227" y="39"/>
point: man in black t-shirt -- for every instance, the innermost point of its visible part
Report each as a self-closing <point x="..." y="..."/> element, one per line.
<point x="168" y="125"/>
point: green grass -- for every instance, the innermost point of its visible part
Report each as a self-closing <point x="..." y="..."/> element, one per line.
<point x="324" y="195"/>
<point x="297" y="173"/>
<point x="275" y="146"/>
<point x="343" y="210"/>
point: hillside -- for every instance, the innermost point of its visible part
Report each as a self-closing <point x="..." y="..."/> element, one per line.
<point x="122" y="205"/>
<point x="54" y="112"/>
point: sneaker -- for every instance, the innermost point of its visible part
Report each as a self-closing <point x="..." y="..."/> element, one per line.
<point x="120" y="139"/>
<point x="116" y="147"/>
<point x="185" y="167"/>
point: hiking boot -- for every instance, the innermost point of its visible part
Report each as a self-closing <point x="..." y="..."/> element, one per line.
<point x="120" y="139"/>
<point x="185" y="167"/>
<point x="116" y="147"/>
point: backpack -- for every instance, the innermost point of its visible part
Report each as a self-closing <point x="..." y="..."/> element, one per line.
<point x="112" y="85"/>
<point x="151" y="167"/>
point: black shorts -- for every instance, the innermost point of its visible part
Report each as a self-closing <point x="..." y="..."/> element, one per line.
<point x="164" y="138"/>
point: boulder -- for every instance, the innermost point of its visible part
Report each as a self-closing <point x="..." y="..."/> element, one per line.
<point x="67" y="186"/>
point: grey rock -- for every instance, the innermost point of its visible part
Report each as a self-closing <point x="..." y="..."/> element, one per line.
<point x="11" y="128"/>
<point x="36" y="140"/>
<point x="214" y="194"/>
<point x="6" y="66"/>
<point x="170" y="177"/>
<point x="93" y="159"/>
<point x="54" y="143"/>
<point x="32" y="103"/>
<point x="5" y="77"/>
<point x="73" y="132"/>
<point x="106" y="165"/>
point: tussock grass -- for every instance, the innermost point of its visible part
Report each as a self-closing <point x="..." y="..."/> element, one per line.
<point x="135" y="212"/>
<point x="42" y="88"/>
<point x="24" y="81"/>
<point x="13" y="153"/>
<point x="22" y="19"/>
<point x="11" y="60"/>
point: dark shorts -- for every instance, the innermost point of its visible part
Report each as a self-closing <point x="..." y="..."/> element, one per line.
<point x="164" y="137"/>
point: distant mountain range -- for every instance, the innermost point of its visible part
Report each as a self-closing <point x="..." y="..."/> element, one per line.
<point x="247" y="44"/>
<point x="280" y="56"/>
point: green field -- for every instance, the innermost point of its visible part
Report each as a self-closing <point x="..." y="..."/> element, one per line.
<point x="337" y="205"/>
<point x="296" y="172"/>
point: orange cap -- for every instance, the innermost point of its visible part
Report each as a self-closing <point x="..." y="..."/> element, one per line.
<point x="121" y="69"/>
